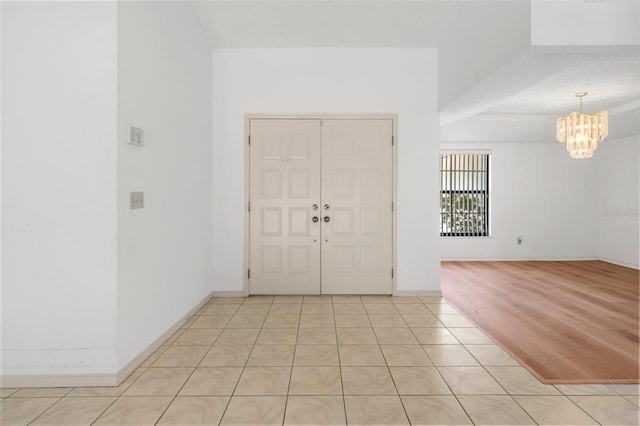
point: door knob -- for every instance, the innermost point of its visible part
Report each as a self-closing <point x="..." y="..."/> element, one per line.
<point x="314" y="219"/>
<point x="326" y="206"/>
<point x="327" y="218"/>
<point x="314" y="207"/>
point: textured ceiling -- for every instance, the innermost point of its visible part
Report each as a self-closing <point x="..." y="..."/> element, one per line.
<point x="610" y="75"/>
<point x="544" y="80"/>
<point x="528" y="81"/>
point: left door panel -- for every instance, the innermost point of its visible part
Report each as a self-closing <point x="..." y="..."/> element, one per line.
<point x="284" y="254"/>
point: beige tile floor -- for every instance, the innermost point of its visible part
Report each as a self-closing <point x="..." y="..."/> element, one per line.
<point x="327" y="360"/>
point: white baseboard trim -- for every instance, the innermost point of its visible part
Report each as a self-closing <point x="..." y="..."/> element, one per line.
<point x="625" y="264"/>
<point x="418" y="293"/>
<point x="142" y="356"/>
<point x="238" y="293"/>
<point x="517" y="259"/>
<point x="57" y="380"/>
<point x="87" y="380"/>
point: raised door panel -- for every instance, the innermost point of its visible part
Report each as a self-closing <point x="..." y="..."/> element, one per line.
<point x="284" y="243"/>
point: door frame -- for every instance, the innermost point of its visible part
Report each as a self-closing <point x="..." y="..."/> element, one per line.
<point x="320" y="116"/>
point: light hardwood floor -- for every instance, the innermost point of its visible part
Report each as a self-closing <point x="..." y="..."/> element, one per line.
<point x="567" y="322"/>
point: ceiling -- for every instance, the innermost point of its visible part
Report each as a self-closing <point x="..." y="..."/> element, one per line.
<point x="545" y="80"/>
<point x="348" y="23"/>
<point x="512" y="78"/>
<point x="610" y="75"/>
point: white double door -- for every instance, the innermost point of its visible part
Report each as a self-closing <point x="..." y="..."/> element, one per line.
<point x="320" y="216"/>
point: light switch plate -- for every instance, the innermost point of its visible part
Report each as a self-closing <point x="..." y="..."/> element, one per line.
<point x="136" y="200"/>
<point x="136" y="136"/>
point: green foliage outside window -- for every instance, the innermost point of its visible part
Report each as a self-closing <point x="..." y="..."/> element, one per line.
<point x="462" y="213"/>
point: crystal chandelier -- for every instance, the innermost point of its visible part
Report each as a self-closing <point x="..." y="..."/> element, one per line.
<point x="582" y="132"/>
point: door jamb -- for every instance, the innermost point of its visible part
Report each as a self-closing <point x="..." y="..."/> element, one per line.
<point x="321" y="116"/>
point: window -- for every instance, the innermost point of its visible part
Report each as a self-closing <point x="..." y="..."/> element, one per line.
<point x="464" y="195"/>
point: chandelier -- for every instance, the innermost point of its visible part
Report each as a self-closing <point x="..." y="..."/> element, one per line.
<point x="582" y="132"/>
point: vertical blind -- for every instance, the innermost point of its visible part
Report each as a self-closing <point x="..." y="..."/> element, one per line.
<point x="464" y="195"/>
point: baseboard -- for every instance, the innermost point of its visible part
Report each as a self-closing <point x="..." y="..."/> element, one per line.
<point x="58" y="381"/>
<point x="238" y="293"/>
<point x="625" y="264"/>
<point x="518" y="259"/>
<point x="418" y="293"/>
<point x="142" y="356"/>
<point x="89" y="380"/>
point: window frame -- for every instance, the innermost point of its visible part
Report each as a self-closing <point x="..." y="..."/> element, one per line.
<point x="485" y="232"/>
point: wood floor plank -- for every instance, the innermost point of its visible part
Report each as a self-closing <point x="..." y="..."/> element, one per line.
<point x="567" y="322"/>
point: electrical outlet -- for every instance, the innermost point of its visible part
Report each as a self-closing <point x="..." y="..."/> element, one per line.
<point x="136" y="200"/>
<point x="519" y="240"/>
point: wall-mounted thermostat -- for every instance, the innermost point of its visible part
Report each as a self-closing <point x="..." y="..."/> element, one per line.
<point x="136" y="136"/>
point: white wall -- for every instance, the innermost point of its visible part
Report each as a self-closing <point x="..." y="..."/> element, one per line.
<point x="585" y="23"/>
<point x="58" y="188"/>
<point x="538" y="192"/>
<point x="1" y="302"/>
<point x="164" y="250"/>
<point x="618" y="179"/>
<point x="464" y="59"/>
<point x="330" y="80"/>
<point x="87" y="284"/>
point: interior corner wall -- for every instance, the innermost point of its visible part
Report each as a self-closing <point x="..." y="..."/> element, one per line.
<point x="539" y="193"/>
<point x="58" y="313"/>
<point x="618" y="180"/>
<point x="330" y="80"/>
<point x="164" y="249"/>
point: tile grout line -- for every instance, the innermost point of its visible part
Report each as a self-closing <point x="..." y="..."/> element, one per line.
<point x="174" y="338"/>
<point x="235" y="388"/>
<point x="506" y="391"/>
<point x="293" y="359"/>
<point x="199" y="314"/>
<point x="117" y="397"/>
<point x="484" y="366"/>
<point x="45" y="410"/>
<point x="442" y="377"/>
<point x="335" y="327"/>
<point x="486" y="370"/>
<point x="209" y="303"/>
<point x="389" y="368"/>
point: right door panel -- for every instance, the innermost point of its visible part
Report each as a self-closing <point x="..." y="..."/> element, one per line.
<point x="357" y="195"/>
